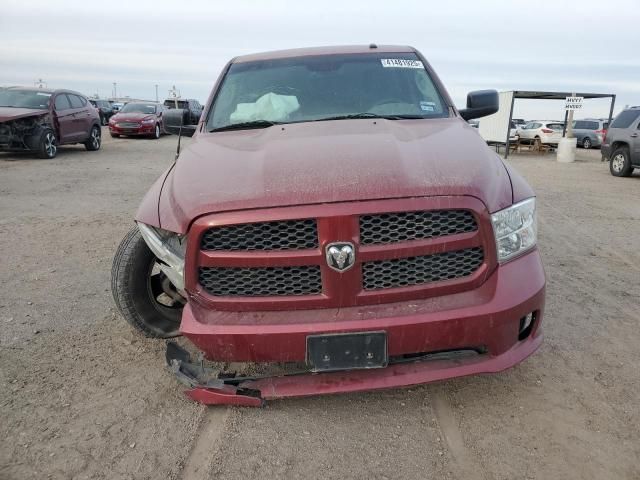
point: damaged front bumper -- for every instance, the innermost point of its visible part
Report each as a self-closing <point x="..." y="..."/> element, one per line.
<point x="485" y="330"/>
<point x="206" y="387"/>
<point x="22" y="134"/>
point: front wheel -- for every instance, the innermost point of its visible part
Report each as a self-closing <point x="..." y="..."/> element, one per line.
<point x="620" y="164"/>
<point x="142" y="292"/>
<point x="95" y="139"/>
<point x="586" y="143"/>
<point x="48" y="144"/>
<point x="156" y="132"/>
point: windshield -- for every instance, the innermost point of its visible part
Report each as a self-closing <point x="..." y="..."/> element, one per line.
<point x="24" y="98"/>
<point x="312" y="88"/>
<point x="139" y="108"/>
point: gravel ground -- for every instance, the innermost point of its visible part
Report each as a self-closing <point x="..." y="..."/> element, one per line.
<point x="83" y="396"/>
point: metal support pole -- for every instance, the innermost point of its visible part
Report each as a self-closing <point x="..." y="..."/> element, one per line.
<point x="569" y="122"/>
<point x="506" y="145"/>
<point x="564" y="127"/>
<point x="613" y="102"/>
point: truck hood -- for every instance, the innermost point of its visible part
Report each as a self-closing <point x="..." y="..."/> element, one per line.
<point x="332" y="161"/>
<point x="11" y="113"/>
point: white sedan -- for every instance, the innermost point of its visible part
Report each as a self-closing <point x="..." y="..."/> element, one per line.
<point x="545" y="131"/>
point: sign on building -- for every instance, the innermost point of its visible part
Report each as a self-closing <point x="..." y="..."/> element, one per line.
<point x="573" y="103"/>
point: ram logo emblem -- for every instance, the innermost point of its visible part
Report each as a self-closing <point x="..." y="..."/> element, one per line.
<point x="340" y="256"/>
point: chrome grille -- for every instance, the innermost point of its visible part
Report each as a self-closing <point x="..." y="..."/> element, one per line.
<point x="406" y="226"/>
<point x="128" y="125"/>
<point x="261" y="282"/>
<point x="404" y="272"/>
<point x="282" y="235"/>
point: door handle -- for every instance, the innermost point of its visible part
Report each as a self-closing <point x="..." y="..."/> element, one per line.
<point x="634" y="135"/>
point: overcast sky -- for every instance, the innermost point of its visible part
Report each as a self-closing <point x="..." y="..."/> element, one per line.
<point x="555" y="45"/>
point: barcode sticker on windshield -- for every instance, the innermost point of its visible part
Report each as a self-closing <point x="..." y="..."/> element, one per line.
<point x="401" y="63"/>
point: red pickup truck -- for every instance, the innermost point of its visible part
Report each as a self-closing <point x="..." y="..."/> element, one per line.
<point x="335" y="211"/>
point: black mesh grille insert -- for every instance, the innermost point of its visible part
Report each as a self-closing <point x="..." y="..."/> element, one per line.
<point x="404" y="272"/>
<point x="405" y="226"/>
<point x="260" y="282"/>
<point x="282" y="235"/>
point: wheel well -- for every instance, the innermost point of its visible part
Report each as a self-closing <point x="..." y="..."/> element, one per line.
<point x="32" y="141"/>
<point x="617" y="145"/>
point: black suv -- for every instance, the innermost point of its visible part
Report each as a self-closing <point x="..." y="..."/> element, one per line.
<point x="105" y="109"/>
<point x="190" y="104"/>
<point x="621" y="145"/>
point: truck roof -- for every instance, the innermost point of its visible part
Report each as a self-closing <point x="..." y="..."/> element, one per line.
<point x="335" y="50"/>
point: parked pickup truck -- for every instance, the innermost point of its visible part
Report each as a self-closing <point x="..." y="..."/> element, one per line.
<point x="334" y="212"/>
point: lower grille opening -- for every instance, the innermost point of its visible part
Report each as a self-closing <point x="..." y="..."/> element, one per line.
<point x="261" y="282"/>
<point x="404" y="272"/>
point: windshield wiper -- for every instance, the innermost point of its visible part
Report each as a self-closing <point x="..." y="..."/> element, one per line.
<point x="368" y="115"/>
<point x="245" y="125"/>
<point x="404" y="117"/>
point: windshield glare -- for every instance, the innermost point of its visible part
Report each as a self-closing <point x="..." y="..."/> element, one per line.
<point x="312" y="88"/>
<point x="139" y="108"/>
<point x="24" y="99"/>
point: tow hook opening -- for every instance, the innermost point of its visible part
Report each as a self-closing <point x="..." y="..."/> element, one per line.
<point x="527" y="324"/>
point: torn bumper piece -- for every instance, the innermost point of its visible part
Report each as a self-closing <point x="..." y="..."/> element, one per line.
<point x="254" y="391"/>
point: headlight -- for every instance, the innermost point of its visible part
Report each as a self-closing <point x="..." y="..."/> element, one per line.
<point x="149" y="121"/>
<point x="515" y="229"/>
<point x="169" y="248"/>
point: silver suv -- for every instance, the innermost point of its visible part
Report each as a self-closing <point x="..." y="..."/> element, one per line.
<point x="590" y="131"/>
<point x="621" y="145"/>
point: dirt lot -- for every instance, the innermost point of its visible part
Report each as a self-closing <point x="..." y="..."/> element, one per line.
<point x="83" y="396"/>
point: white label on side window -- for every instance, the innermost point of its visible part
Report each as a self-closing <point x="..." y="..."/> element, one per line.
<point x="400" y="63"/>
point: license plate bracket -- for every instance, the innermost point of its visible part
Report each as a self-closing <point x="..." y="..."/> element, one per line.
<point x="347" y="351"/>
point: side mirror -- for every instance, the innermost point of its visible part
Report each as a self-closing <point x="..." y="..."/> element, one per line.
<point x="480" y="104"/>
<point x="176" y="120"/>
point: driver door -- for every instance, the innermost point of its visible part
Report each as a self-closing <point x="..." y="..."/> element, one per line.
<point x="64" y="117"/>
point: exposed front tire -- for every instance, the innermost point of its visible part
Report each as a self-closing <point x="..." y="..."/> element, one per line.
<point x="103" y="120"/>
<point x="48" y="144"/>
<point x="140" y="289"/>
<point x="156" y="132"/>
<point x="620" y="163"/>
<point x="95" y="139"/>
<point x="586" y="143"/>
